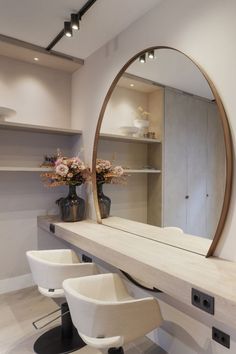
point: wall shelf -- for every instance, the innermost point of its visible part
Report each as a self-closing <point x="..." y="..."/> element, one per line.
<point x="147" y="170"/>
<point x="24" y="169"/>
<point x="129" y="139"/>
<point x="38" y="128"/>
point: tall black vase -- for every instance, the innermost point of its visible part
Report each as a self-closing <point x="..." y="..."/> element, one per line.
<point x="72" y="208"/>
<point x="103" y="201"/>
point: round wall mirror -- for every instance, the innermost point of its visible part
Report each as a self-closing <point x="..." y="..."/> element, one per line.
<point x="163" y="154"/>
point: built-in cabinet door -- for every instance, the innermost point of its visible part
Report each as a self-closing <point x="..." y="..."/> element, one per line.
<point x="196" y="166"/>
<point x="175" y="160"/>
<point x="216" y="171"/>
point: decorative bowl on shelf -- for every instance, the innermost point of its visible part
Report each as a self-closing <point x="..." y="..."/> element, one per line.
<point x="6" y="112"/>
<point x="141" y="123"/>
<point x="129" y="130"/>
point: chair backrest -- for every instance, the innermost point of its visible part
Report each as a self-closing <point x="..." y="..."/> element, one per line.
<point x="100" y="306"/>
<point x="50" y="267"/>
<point x="176" y="230"/>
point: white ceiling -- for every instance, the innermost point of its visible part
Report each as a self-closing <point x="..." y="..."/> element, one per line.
<point x="136" y="85"/>
<point x="39" y="21"/>
<point x="174" y="69"/>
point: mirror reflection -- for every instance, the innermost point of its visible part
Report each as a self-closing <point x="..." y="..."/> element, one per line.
<point x="163" y="127"/>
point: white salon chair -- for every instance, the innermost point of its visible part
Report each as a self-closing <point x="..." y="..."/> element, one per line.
<point x="49" y="268"/>
<point x="174" y="229"/>
<point x="104" y="313"/>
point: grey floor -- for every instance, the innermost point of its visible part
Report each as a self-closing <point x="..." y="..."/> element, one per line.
<point x="17" y="335"/>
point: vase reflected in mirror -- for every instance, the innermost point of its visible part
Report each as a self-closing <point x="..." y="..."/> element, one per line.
<point x="104" y="202"/>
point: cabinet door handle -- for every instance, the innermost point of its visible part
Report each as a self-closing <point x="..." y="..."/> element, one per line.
<point x="207" y="195"/>
<point x="187" y="196"/>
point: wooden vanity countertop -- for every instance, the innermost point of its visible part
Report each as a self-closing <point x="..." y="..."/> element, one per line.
<point x="172" y="270"/>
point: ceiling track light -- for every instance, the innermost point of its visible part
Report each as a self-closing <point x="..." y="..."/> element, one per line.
<point x="151" y="54"/>
<point x="75" y="21"/>
<point x="68" y="29"/>
<point x="142" y="58"/>
<point x="85" y="8"/>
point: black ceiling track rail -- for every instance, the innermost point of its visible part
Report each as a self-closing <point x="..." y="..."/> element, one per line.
<point x="80" y="14"/>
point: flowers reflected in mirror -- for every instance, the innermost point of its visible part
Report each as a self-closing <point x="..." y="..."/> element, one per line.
<point x="107" y="173"/>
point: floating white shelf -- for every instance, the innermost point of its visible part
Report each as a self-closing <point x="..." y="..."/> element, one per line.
<point x="25" y="169"/>
<point x="38" y="128"/>
<point x="147" y="170"/>
<point x="105" y="136"/>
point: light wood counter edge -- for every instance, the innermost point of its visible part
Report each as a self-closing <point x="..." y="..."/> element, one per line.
<point x="186" y="242"/>
<point x="175" y="271"/>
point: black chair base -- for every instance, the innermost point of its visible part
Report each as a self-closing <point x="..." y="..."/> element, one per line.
<point x="119" y="350"/>
<point x="60" y="340"/>
<point x="53" y="342"/>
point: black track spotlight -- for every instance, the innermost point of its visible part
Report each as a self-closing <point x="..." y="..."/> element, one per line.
<point x="67" y="29"/>
<point x="75" y="21"/>
<point x="142" y="58"/>
<point x="151" y="54"/>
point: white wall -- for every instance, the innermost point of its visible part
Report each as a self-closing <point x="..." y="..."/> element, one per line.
<point x="38" y="94"/>
<point x="122" y="109"/>
<point x="199" y="29"/>
<point x="204" y="30"/>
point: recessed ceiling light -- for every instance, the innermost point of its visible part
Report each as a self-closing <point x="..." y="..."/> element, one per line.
<point x="36" y="59"/>
<point x="132" y="85"/>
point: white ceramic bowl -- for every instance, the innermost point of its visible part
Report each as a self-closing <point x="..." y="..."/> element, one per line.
<point x="6" y="112"/>
<point x="130" y="131"/>
<point x="141" y="123"/>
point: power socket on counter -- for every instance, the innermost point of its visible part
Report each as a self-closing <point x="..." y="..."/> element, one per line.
<point x="203" y="301"/>
<point x="221" y="337"/>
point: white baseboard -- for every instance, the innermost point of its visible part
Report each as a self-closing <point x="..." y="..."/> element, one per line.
<point x="16" y="283"/>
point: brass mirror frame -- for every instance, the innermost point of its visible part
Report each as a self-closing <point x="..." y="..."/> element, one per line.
<point x="227" y="140"/>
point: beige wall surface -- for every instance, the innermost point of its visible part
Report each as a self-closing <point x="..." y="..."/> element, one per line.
<point x="205" y="31"/>
<point x="122" y="109"/>
<point x="39" y="95"/>
<point x="199" y="29"/>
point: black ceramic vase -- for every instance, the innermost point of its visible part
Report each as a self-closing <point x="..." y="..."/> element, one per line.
<point x="103" y="201"/>
<point x="72" y="208"/>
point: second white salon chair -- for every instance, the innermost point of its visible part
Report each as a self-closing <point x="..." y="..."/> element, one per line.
<point x="174" y="229"/>
<point x="104" y="313"/>
<point x="49" y="268"/>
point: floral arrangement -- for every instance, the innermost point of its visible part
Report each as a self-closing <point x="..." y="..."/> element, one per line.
<point x="67" y="171"/>
<point x="106" y="173"/>
<point x="142" y="113"/>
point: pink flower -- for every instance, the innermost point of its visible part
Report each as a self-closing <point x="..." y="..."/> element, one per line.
<point x="62" y="170"/>
<point x="118" y="170"/>
<point x="58" y="161"/>
<point x="77" y="160"/>
<point x="103" y="165"/>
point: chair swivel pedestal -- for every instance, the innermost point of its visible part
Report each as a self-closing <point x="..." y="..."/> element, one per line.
<point x="49" y="268"/>
<point x="119" y="350"/>
<point x="61" y="339"/>
<point x="104" y="313"/>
